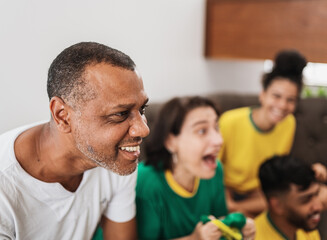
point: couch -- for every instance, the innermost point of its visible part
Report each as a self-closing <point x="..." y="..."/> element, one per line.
<point x="310" y="141"/>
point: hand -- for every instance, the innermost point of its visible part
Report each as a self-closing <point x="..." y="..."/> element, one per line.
<point x="320" y="172"/>
<point x="248" y="230"/>
<point x="208" y="231"/>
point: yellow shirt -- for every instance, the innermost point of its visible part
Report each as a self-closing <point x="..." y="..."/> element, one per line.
<point x="246" y="147"/>
<point x="267" y="230"/>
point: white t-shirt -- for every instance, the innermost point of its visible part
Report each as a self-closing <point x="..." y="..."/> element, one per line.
<point x="32" y="209"/>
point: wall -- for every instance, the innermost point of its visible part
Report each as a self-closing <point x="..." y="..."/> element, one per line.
<point x="164" y="38"/>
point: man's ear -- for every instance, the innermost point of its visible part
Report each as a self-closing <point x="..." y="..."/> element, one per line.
<point x="276" y="205"/>
<point x="171" y="143"/>
<point x="60" y="113"/>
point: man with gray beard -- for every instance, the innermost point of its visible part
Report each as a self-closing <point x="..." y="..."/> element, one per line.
<point x="61" y="179"/>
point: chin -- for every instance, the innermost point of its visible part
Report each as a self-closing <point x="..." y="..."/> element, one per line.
<point x="123" y="170"/>
<point x="310" y="228"/>
<point x="207" y="175"/>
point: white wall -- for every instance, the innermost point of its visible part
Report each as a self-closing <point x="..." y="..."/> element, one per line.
<point x="164" y="38"/>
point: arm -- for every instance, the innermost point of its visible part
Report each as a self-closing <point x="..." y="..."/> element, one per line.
<point x="323" y="196"/>
<point x="249" y="229"/>
<point x="251" y="206"/>
<point x="321" y="176"/>
<point x="207" y="231"/>
<point x="320" y="172"/>
<point x="119" y="231"/>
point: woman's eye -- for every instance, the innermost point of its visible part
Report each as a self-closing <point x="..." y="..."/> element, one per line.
<point x="277" y="96"/>
<point x="202" y="131"/>
<point x="291" y="100"/>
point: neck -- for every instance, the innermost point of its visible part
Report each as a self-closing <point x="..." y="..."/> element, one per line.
<point x="283" y="226"/>
<point x="184" y="178"/>
<point x="45" y="155"/>
<point x="259" y="119"/>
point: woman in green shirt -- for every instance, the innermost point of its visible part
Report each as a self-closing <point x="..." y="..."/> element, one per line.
<point x="181" y="180"/>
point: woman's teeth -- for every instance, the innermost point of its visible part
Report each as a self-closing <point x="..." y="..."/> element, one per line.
<point x="131" y="149"/>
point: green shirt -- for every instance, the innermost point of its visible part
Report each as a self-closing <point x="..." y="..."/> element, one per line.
<point x="164" y="214"/>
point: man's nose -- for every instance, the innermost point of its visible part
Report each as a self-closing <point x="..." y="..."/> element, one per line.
<point x="139" y="126"/>
<point x="317" y="204"/>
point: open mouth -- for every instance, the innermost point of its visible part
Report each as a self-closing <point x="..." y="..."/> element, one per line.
<point x="278" y="113"/>
<point x="131" y="149"/>
<point x="315" y="217"/>
<point x="131" y="153"/>
<point x="210" y="160"/>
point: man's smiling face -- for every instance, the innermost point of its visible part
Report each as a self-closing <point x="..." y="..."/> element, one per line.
<point x="108" y="129"/>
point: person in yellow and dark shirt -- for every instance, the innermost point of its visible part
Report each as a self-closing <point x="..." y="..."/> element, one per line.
<point x="252" y="135"/>
<point x="294" y="203"/>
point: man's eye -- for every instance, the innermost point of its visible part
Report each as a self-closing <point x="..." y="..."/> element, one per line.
<point x="142" y="110"/>
<point x="122" y="114"/>
<point x="119" y="117"/>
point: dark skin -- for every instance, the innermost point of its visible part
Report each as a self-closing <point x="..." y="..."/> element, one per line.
<point x="303" y="202"/>
<point x="251" y="206"/>
<point x="54" y="151"/>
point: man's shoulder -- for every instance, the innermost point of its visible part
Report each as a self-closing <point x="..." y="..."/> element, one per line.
<point x="7" y="139"/>
<point x="303" y="235"/>
<point x="262" y="217"/>
<point x="7" y="154"/>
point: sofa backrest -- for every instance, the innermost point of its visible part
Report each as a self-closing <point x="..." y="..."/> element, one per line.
<point x="310" y="142"/>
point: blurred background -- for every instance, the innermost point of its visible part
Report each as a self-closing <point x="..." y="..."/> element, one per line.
<point x="166" y="39"/>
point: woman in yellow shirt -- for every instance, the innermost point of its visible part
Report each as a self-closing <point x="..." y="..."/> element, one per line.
<point x="251" y="135"/>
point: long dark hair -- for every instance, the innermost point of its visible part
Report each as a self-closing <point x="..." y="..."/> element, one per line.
<point x="169" y="121"/>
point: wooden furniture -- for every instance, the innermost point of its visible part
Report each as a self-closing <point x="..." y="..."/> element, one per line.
<point x="257" y="29"/>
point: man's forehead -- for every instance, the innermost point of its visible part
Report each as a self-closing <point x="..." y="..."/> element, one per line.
<point x="114" y="86"/>
<point x="298" y="191"/>
<point x="104" y="77"/>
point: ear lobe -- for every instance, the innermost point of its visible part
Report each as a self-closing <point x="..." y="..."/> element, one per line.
<point x="170" y="143"/>
<point x="60" y="114"/>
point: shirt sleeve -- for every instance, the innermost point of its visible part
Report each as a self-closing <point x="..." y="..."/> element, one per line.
<point x="5" y="234"/>
<point x="121" y="207"/>
<point x="7" y="229"/>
